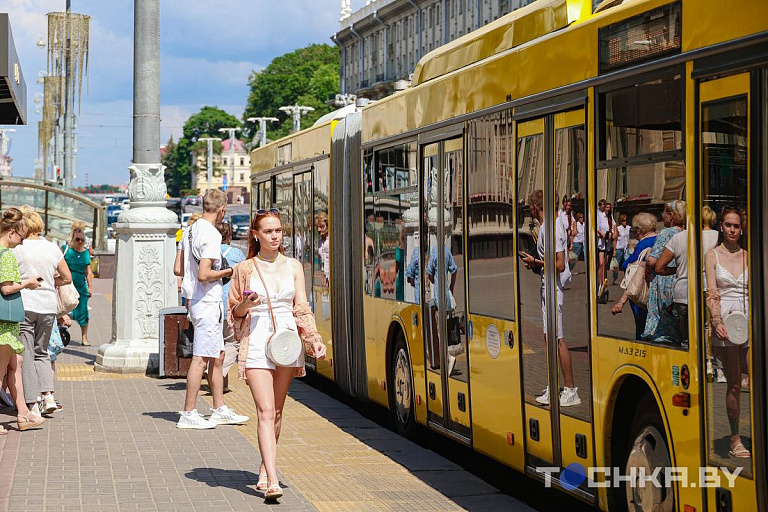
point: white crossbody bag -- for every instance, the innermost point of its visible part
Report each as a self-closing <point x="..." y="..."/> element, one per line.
<point x="284" y="345"/>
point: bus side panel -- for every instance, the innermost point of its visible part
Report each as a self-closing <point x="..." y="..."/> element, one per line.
<point x="569" y="429"/>
<point x="497" y="422"/>
<point x="543" y="447"/>
<point x="415" y="341"/>
<point x="378" y="315"/>
<point x="324" y="327"/>
<point x="707" y="22"/>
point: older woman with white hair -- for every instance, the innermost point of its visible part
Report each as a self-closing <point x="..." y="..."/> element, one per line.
<point x="39" y="257"/>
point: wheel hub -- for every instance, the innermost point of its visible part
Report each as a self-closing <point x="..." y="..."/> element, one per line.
<point x="649" y="451"/>
<point x="402" y="387"/>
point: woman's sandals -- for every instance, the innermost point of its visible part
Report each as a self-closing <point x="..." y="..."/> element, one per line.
<point x="273" y="492"/>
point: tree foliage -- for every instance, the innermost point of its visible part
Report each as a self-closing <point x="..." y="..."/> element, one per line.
<point x="307" y="76"/>
<point x="178" y="158"/>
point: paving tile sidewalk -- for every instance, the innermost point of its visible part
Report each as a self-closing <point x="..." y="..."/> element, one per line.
<point x="115" y="447"/>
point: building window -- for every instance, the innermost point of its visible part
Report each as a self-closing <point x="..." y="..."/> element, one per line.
<point x="242" y="176"/>
<point x="242" y="160"/>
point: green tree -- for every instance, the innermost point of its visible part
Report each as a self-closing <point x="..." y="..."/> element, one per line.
<point x="307" y="76"/>
<point x="205" y="123"/>
<point x="169" y="159"/>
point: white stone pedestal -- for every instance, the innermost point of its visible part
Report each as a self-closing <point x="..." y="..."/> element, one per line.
<point x="144" y="283"/>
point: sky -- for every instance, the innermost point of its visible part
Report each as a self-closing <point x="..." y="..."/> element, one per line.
<point x="207" y="50"/>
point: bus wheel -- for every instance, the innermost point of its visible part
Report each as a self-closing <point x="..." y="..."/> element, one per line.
<point x="648" y="452"/>
<point x="401" y="391"/>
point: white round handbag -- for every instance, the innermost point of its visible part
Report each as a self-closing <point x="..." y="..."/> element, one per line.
<point x="737" y="325"/>
<point x="284" y="346"/>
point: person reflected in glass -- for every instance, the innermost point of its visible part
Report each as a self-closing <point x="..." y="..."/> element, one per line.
<point x="602" y="227"/>
<point x="677" y="250"/>
<point x="622" y="243"/>
<point x="577" y="245"/>
<point x="450" y="302"/>
<point x="644" y="227"/>
<point x="412" y="275"/>
<point x="709" y="239"/>
<point x="661" y="326"/>
<point x="569" y="396"/>
<point x="323" y="250"/>
<point x="727" y="294"/>
<point x="400" y="262"/>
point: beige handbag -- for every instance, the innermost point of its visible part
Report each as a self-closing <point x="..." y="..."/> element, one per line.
<point x="67" y="299"/>
<point x="284" y="345"/>
<point x="634" y="280"/>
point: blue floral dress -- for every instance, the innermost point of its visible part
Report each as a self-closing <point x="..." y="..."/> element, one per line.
<point x="9" y="271"/>
<point x="660" y="325"/>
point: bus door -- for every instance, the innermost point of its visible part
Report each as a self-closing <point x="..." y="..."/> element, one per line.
<point x="442" y="283"/>
<point x="551" y="162"/>
<point x="731" y="250"/>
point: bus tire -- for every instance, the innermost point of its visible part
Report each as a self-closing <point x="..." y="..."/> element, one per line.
<point x="648" y="450"/>
<point x="401" y="389"/>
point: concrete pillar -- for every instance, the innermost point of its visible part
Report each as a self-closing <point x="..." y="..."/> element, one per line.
<point x="146" y="248"/>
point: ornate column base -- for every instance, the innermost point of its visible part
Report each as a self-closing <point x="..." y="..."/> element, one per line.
<point x="144" y="283"/>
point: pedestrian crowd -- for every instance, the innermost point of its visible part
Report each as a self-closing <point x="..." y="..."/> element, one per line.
<point x="252" y="311"/>
<point x="38" y="304"/>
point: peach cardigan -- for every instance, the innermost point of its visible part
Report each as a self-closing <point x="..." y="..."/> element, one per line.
<point x="305" y="319"/>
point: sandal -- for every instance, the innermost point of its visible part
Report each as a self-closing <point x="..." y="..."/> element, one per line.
<point x="274" y="492"/>
<point x="738" y="451"/>
<point x="3" y="431"/>
<point x="31" y="420"/>
<point x="263" y="483"/>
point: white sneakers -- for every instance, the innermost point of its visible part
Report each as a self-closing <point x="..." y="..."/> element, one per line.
<point x="568" y="397"/>
<point x="226" y="416"/>
<point x="221" y="416"/>
<point x="193" y="419"/>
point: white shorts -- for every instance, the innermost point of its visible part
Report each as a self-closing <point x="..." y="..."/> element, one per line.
<point x="559" y="312"/>
<point x="207" y="319"/>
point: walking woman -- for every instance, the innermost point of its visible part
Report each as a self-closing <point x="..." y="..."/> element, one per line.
<point x="727" y="286"/>
<point x="13" y="231"/>
<point x="79" y="261"/>
<point x="39" y="257"/>
<point x="281" y="278"/>
<point x="661" y="326"/>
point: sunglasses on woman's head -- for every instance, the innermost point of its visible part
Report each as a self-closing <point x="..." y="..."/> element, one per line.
<point x="271" y="210"/>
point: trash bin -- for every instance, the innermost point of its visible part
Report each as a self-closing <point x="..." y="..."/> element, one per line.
<point x="172" y="321"/>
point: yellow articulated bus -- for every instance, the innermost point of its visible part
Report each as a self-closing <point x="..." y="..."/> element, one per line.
<point x="602" y="175"/>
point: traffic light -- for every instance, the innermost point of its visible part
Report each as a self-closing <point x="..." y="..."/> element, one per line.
<point x="59" y="178"/>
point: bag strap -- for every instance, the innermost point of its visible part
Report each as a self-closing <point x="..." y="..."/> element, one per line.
<point x="269" y="301"/>
<point x="191" y="250"/>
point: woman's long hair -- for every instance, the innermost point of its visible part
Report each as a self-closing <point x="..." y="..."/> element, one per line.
<point x="253" y="244"/>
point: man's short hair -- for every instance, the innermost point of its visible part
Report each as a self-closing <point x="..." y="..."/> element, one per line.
<point x="213" y="200"/>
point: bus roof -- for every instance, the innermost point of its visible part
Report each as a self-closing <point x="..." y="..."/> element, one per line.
<point x="518" y="27"/>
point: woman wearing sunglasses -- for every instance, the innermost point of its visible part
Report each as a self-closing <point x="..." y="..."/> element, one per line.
<point x="269" y="281"/>
<point x="79" y="261"/>
<point x="13" y="231"/>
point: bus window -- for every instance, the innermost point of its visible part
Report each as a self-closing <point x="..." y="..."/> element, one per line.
<point x="368" y="220"/>
<point x="490" y="218"/>
<point x="725" y="252"/>
<point x="395" y="225"/>
<point x="640" y="209"/>
<point x="321" y="257"/>
<point x="284" y="203"/>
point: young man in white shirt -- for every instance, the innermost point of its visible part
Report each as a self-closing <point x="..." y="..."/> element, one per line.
<point x="202" y="287"/>
<point x="569" y="396"/>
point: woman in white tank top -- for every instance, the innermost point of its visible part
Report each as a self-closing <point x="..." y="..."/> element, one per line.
<point x="727" y="292"/>
<point x="283" y="282"/>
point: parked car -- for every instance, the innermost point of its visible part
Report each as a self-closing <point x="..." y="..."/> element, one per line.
<point x="240" y="224"/>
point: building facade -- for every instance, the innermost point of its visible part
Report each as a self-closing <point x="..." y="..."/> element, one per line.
<point x="382" y="42"/>
<point x="238" y="160"/>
